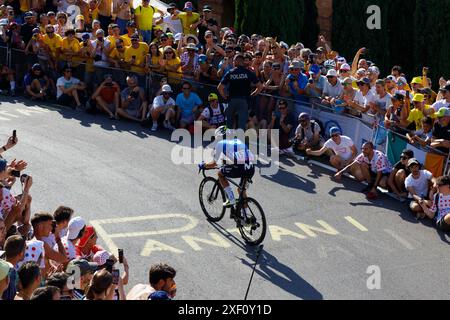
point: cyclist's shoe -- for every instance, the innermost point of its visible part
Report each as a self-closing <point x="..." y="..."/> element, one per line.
<point x="229" y="203"/>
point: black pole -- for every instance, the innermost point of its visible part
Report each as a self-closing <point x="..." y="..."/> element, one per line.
<point x="260" y="249"/>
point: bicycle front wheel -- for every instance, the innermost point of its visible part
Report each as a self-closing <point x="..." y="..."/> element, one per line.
<point x="212" y="198"/>
<point x="253" y="227"/>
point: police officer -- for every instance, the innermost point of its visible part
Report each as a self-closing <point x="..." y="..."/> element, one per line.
<point x="239" y="81"/>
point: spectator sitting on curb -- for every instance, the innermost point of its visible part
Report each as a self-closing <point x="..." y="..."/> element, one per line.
<point x="107" y="96"/>
<point x="440" y="209"/>
<point x="373" y="167"/>
<point x="418" y="184"/>
<point x="68" y="90"/>
<point x="399" y="174"/>
<point x="307" y="134"/>
<point x="343" y="148"/>
<point x="283" y="121"/>
<point x="163" y="105"/>
<point x="161" y="278"/>
<point x="213" y="116"/>
<point x="188" y="105"/>
<point x="134" y="102"/>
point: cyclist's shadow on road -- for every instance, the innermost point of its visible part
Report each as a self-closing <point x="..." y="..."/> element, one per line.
<point x="270" y="268"/>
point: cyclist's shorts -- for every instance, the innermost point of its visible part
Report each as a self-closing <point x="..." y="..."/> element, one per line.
<point x="238" y="171"/>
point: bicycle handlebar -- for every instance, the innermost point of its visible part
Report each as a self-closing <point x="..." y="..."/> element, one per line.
<point x="205" y="169"/>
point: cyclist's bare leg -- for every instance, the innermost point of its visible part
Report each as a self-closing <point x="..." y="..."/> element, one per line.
<point x="223" y="180"/>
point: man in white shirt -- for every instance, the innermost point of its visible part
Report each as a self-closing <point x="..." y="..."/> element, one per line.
<point x="418" y="185"/>
<point x="445" y="102"/>
<point x="163" y="105"/>
<point x="363" y="98"/>
<point x="67" y="90"/>
<point x="166" y="22"/>
<point x="333" y="87"/>
<point x="344" y="150"/>
<point x="382" y="101"/>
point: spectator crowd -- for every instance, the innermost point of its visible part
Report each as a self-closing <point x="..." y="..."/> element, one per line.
<point x="119" y="60"/>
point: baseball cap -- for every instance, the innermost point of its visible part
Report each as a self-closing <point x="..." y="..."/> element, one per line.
<point x="36" y="31"/>
<point x="188" y="6"/>
<point x="178" y="36"/>
<point x="304" y="116"/>
<point x="347" y="80"/>
<point x="191" y="46"/>
<point x="4" y="269"/>
<point x="443" y="112"/>
<point x="4" y="22"/>
<point x="171" y="5"/>
<point x="284" y="45"/>
<point x="373" y="69"/>
<point x="159" y="295"/>
<point x="418" y="97"/>
<point x="335" y="130"/>
<point x="408" y="153"/>
<point x="166" y="89"/>
<point x="131" y="23"/>
<point x="100" y="257"/>
<point x="413" y="161"/>
<point x="75" y="226"/>
<point x="416" y="80"/>
<point x="364" y="81"/>
<point x="446" y="88"/>
<point x="202" y="58"/>
<point x="36" y="66"/>
<point x="315" y="69"/>
<point x="361" y="71"/>
<point x="391" y="78"/>
<point x="79" y="17"/>
<point x="84" y="266"/>
<point x="399" y="95"/>
<point x="207" y="8"/>
<point x="212" y="97"/>
<point x="28" y="14"/>
<point x="99" y="31"/>
<point x="295" y="65"/>
<point x="86" y="36"/>
<point x="401" y="81"/>
<point x="346" y="67"/>
<point x="332" y="73"/>
<point x="3" y="164"/>
<point x="341" y="60"/>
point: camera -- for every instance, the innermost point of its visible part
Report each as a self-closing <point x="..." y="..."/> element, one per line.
<point x="23" y="178"/>
<point x="109" y="265"/>
<point x="295" y="142"/>
<point x="134" y="94"/>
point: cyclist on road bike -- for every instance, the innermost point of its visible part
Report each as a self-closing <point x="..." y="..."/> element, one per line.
<point x="237" y="161"/>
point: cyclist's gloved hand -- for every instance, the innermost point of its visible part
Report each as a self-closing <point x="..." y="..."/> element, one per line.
<point x="202" y="166"/>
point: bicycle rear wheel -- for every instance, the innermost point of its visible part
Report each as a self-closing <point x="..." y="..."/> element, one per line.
<point x="212" y="198"/>
<point x="253" y="230"/>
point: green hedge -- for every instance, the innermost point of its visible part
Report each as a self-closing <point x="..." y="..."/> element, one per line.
<point x="413" y="34"/>
<point x="288" y="20"/>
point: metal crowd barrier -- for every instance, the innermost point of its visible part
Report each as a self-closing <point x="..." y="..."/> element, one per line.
<point x="20" y="62"/>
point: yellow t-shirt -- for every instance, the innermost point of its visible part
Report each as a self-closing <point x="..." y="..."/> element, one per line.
<point x="145" y="17"/>
<point x="416" y="116"/>
<point x="127" y="40"/>
<point x="116" y="54"/>
<point x="112" y="40"/>
<point x="139" y="53"/>
<point x="24" y="6"/>
<point x="73" y="45"/>
<point x="186" y="22"/>
<point x="172" y="74"/>
<point x="53" y="43"/>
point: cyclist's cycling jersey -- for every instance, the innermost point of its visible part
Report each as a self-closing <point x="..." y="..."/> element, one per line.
<point x="233" y="152"/>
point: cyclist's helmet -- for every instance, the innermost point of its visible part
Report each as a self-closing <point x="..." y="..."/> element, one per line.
<point x="330" y="64"/>
<point x="221" y="132"/>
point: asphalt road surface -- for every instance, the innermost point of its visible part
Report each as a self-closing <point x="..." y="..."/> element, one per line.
<point x="325" y="240"/>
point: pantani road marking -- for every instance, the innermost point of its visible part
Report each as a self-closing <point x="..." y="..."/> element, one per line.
<point x="212" y="239"/>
